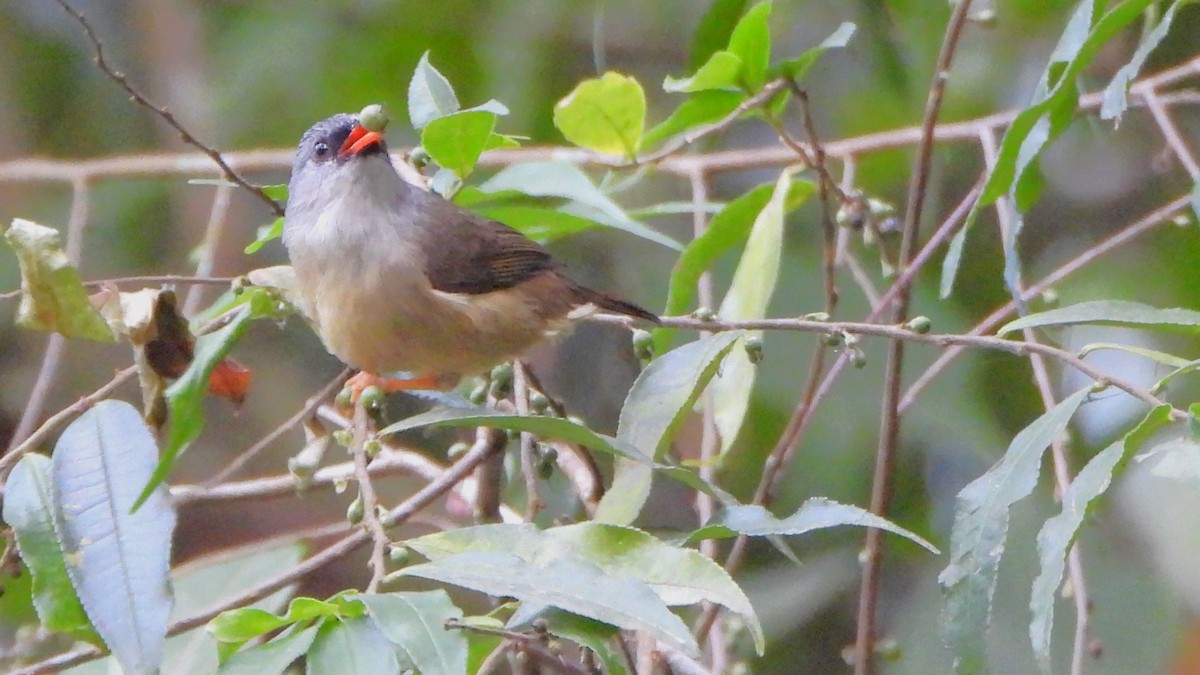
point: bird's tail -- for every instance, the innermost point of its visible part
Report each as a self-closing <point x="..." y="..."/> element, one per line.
<point x="615" y="305"/>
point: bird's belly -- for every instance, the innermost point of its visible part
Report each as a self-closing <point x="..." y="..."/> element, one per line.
<point x="422" y="331"/>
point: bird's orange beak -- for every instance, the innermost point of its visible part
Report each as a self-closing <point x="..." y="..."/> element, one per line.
<point x="360" y="139"/>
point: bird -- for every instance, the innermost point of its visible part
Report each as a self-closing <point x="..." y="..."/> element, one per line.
<point x="396" y="279"/>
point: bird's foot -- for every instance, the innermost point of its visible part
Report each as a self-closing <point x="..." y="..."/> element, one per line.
<point x="362" y="380"/>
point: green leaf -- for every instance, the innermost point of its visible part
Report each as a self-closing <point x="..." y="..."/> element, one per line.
<point x="1116" y="93"/>
<point x="726" y="230"/>
<point x="751" y="42"/>
<point x="537" y="222"/>
<point x="567" y="583"/>
<point x="545" y="427"/>
<point x="185" y="396"/>
<point x="714" y="30"/>
<point x="415" y="622"/>
<point x="679" y="576"/>
<point x="239" y="625"/>
<point x="606" y="114"/>
<point x="1109" y="313"/>
<point x="703" y="107"/>
<point x="748" y="297"/>
<point x="980" y="527"/>
<point x="594" y="635"/>
<point x="430" y="95"/>
<point x="567" y="181"/>
<point x="798" y="67"/>
<point x="720" y="72"/>
<point x="271" y="658"/>
<point x="265" y="234"/>
<point x="355" y="645"/>
<point x="1059" y="533"/>
<point x="456" y="141"/>
<point x="1152" y="354"/>
<point x="660" y="399"/>
<point x="29" y="509"/>
<point x="815" y="514"/>
<point x="1177" y="457"/>
<point x="52" y="296"/>
<point x="117" y="560"/>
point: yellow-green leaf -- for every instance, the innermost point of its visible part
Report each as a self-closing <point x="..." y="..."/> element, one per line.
<point x="605" y="114"/>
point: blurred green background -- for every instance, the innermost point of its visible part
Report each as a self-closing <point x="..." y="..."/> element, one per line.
<point x="244" y="75"/>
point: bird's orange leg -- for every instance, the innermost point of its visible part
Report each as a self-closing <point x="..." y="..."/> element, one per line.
<point x="389" y="385"/>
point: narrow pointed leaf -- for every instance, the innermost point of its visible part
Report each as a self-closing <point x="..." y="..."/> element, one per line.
<point x="798" y="67"/>
<point x="1059" y="533"/>
<point x="415" y="622"/>
<point x="52" y="296"/>
<point x="1110" y="313"/>
<point x="720" y="72"/>
<point x="567" y="583"/>
<point x="980" y="528"/>
<point x="658" y="402"/>
<point x="751" y="42"/>
<point x="430" y="95"/>
<point x="1116" y="94"/>
<point x="714" y="30"/>
<point x="118" y="561"/>
<point x="29" y="509"/>
<point x="703" y="107"/>
<point x="748" y="298"/>
<point x="815" y="514"/>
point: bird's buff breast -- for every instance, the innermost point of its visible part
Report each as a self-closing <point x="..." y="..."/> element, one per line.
<point x="387" y="318"/>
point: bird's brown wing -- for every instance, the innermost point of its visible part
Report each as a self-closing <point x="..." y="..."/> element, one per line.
<point x="483" y="256"/>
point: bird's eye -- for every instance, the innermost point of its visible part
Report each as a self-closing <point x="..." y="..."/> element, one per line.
<point x="321" y="149"/>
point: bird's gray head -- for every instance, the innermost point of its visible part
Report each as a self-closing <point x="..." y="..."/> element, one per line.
<point x="339" y="165"/>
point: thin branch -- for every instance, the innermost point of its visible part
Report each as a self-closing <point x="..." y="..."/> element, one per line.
<point x="304" y="413"/>
<point x="209" y="247"/>
<point x="529" y="459"/>
<point x="370" y="501"/>
<point x="1171" y="132"/>
<point x="181" y="279"/>
<point x="889" y="434"/>
<point x="166" y="115"/>
<point x="58" y="419"/>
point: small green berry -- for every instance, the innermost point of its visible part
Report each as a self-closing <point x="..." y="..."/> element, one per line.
<point x="373" y="118"/>
<point x="539" y="402"/>
<point x="372" y="447"/>
<point x="919" y="324"/>
<point x="345" y="398"/>
<point x="858" y="359"/>
<point x="356" y="510"/>
<point x="371" y="398"/>
<point x="418" y="157"/>
<point x="478" y="394"/>
<point x="546" y="463"/>
<point x="704" y="314"/>
<point x="458" y="450"/>
<point x="344" y="437"/>
<point x="643" y="344"/>
<point x="831" y="339"/>
<point x="399" y="555"/>
<point x="754" y="348"/>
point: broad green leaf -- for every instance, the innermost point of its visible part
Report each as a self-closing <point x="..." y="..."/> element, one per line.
<point x="29" y="509"/>
<point x="676" y="208"/>
<point x="751" y="42"/>
<point x="798" y="67"/>
<point x="239" y="625"/>
<point x="185" y="396"/>
<point x="546" y="427"/>
<point x="1177" y="457"/>
<point x="748" y="297"/>
<point x="714" y="30"/>
<point x="1059" y="533"/>
<point x="271" y="658"/>
<point x="567" y="583"/>
<point x="679" y="576"/>
<point x="815" y="514"/>
<point x="726" y="230"/>
<point x="660" y="399"/>
<point x="567" y="181"/>
<point x="1110" y="313"/>
<point x="265" y="234"/>
<point x="456" y="141"/>
<point x="52" y="296"/>
<point x="703" y="107"/>
<point x="980" y="527"/>
<point x="118" y="560"/>
<point x="355" y="645"/>
<point x="16" y="603"/>
<point x="1116" y="93"/>
<point x="1162" y="383"/>
<point x="606" y="114"/>
<point x="430" y="95"/>
<point x="415" y="622"/>
<point x="720" y="72"/>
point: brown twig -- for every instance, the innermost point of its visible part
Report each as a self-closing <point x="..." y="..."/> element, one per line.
<point x="529" y="459"/>
<point x="370" y="501"/>
<point x="166" y="115"/>
<point x="889" y="434"/>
